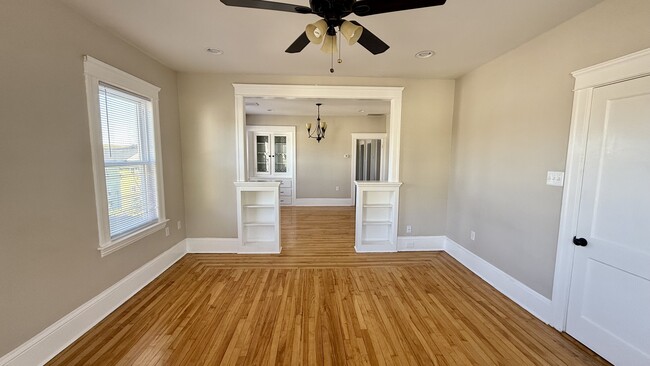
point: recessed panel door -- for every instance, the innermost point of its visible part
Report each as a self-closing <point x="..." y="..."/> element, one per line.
<point x="609" y="305"/>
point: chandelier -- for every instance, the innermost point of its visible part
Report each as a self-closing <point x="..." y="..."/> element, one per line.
<point x="319" y="132"/>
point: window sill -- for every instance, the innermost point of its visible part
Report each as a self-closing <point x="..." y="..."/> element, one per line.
<point x="120" y="243"/>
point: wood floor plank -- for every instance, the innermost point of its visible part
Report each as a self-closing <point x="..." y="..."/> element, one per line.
<point x="320" y="303"/>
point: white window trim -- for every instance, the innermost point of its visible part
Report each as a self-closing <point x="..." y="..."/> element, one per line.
<point x="96" y="71"/>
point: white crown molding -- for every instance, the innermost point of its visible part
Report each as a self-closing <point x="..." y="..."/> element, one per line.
<point x="48" y="343"/>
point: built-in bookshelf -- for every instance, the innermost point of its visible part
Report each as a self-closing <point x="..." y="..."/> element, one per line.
<point x="258" y="217"/>
<point x="376" y="216"/>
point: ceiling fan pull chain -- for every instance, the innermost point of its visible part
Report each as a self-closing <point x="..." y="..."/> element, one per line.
<point x="339" y="60"/>
<point x="332" y="61"/>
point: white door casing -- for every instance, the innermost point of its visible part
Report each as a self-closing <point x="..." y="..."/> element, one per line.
<point x="594" y="269"/>
<point x="391" y="94"/>
<point x="609" y="302"/>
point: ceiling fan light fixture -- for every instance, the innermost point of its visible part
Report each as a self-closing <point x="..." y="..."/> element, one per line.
<point x="351" y="32"/>
<point x="329" y="45"/>
<point x="316" y="31"/>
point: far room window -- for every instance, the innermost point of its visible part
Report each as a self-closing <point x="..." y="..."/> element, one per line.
<point x="124" y="131"/>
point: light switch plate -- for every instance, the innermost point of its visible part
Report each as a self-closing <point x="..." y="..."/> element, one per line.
<point x="555" y="178"/>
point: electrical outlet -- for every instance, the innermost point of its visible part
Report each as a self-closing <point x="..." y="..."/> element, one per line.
<point x="178" y="224"/>
<point x="409" y="229"/>
<point x="167" y="231"/>
<point x="338" y="188"/>
<point x="472" y="235"/>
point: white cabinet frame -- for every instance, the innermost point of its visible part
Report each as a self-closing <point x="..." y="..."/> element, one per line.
<point x="258" y="217"/>
<point x="376" y="216"/>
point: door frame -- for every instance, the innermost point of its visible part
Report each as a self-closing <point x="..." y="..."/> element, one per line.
<point x="625" y="68"/>
<point x="386" y="93"/>
<point x="353" y="161"/>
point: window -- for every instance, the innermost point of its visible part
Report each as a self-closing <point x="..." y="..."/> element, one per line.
<point x="123" y="115"/>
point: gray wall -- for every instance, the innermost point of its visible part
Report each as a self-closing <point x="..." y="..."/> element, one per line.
<point x="320" y="167"/>
<point x="208" y="136"/>
<point x="511" y="125"/>
<point x="50" y="264"/>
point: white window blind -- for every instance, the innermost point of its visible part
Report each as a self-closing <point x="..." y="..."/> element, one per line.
<point x="129" y="160"/>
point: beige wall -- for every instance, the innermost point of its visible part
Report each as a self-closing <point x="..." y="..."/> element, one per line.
<point x="511" y="125"/>
<point x="320" y="167"/>
<point x="49" y="262"/>
<point x="208" y="136"/>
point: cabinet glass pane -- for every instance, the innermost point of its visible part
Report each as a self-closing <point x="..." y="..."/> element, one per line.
<point x="280" y="154"/>
<point x="262" y="150"/>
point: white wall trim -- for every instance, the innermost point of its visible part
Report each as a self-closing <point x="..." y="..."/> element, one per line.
<point x="323" y="202"/>
<point x="420" y="243"/>
<point x="624" y="68"/>
<point x="372" y="248"/>
<point x="65" y="331"/>
<point x="634" y="65"/>
<point x="527" y="298"/>
<point x="213" y="245"/>
<point x="95" y="72"/>
<point x="392" y="94"/>
<point x="48" y="343"/>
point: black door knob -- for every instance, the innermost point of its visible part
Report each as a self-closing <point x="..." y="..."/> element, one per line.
<point x="581" y="242"/>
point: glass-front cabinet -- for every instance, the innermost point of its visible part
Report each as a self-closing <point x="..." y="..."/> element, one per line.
<point x="272" y="154"/>
<point x="280" y="152"/>
<point x="271" y="157"/>
<point x="262" y="154"/>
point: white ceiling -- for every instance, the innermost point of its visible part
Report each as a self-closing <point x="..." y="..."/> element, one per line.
<point x="463" y="33"/>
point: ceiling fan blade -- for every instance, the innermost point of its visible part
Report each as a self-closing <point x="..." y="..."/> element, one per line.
<point x="371" y="7"/>
<point x="370" y="41"/>
<point x="268" y="5"/>
<point x="299" y="44"/>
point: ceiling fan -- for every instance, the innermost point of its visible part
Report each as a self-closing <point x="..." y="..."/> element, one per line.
<point x="333" y="13"/>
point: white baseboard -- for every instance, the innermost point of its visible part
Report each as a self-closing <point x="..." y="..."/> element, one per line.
<point x="420" y="243"/>
<point x="212" y="245"/>
<point x="225" y="246"/>
<point x="527" y="298"/>
<point x="323" y="202"/>
<point x="59" y="335"/>
<point x="48" y="343"/>
<point x="370" y="248"/>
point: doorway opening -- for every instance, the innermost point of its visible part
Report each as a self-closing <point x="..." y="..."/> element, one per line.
<point x="368" y="158"/>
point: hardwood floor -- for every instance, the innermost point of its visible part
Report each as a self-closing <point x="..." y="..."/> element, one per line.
<point x="320" y="303"/>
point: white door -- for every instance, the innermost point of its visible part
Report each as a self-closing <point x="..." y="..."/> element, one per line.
<point x="609" y="304"/>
